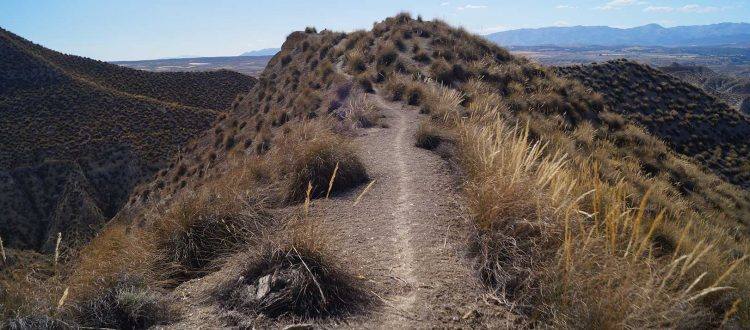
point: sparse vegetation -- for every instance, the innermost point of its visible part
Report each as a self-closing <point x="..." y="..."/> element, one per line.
<point x="85" y="132"/>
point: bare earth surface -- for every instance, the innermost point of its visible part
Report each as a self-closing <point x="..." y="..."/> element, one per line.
<point x="406" y="239"/>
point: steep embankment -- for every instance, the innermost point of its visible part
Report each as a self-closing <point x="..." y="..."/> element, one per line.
<point x="75" y="124"/>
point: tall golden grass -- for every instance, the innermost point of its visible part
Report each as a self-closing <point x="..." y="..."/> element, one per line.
<point x="571" y="250"/>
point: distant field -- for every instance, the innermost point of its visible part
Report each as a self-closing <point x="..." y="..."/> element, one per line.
<point x="249" y="65"/>
<point x="734" y="61"/>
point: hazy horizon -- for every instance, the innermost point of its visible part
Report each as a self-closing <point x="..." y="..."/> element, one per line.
<point x="141" y="30"/>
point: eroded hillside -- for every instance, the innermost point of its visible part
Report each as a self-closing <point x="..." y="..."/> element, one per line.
<point x="75" y="126"/>
<point x="732" y="90"/>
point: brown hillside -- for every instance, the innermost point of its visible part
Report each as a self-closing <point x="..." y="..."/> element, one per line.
<point x="731" y="90"/>
<point x="571" y="215"/>
<point x="76" y="143"/>
<point x="692" y="122"/>
<point x="210" y="90"/>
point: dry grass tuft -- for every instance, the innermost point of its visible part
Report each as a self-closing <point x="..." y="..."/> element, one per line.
<point x="128" y="303"/>
<point x="292" y="280"/>
<point x="428" y="136"/>
<point x="311" y="153"/>
<point x="204" y="227"/>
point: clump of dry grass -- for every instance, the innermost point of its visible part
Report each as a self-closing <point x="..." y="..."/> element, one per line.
<point x="203" y="227"/>
<point x="22" y="304"/>
<point x="128" y="303"/>
<point x="428" y="136"/>
<point x="309" y="155"/>
<point x="355" y="61"/>
<point x="291" y="273"/>
<point x="401" y="87"/>
<point x="360" y="112"/>
<point x="292" y="280"/>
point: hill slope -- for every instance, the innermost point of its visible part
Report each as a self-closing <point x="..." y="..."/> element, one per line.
<point x="729" y="89"/>
<point x="84" y="119"/>
<point x="648" y="35"/>
<point x="694" y="123"/>
<point x="210" y="90"/>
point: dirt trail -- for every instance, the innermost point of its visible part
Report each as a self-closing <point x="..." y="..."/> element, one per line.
<point x="406" y="236"/>
<point x="405" y="240"/>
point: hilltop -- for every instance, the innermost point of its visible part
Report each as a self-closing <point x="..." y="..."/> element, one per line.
<point x="80" y="134"/>
<point x="413" y="175"/>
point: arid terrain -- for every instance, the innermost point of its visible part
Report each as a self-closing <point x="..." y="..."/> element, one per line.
<point x="412" y="175"/>
<point x="249" y="65"/>
<point x="80" y="134"/>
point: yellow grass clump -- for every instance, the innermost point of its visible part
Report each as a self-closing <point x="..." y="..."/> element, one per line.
<point x="571" y="250"/>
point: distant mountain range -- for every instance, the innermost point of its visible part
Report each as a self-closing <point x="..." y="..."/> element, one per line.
<point x="262" y="52"/>
<point x="736" y="34"/>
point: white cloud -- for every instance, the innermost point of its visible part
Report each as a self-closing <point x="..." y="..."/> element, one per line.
<point x="492" y="29"/>
<point x="684" y="9"/>
<point x="658" y="9"/>
<point x="471" y="7"/>
<point x="562" y="24"/>
<point x="565" y="7"/>
<point x="445" y="4"/>
<point x="698" y="9"/>
<point x="618" y="4"/>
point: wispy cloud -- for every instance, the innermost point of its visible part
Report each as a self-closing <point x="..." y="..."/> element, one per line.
<point x="698" y="9"/>
<point x="619" y="4"/>
<point x="565" y="7"/>
<point x="445" y="4"/>
<point x="471" y="7"/>
<point x="492" y="29"/>
<point x="562" y="23"/>
<point x="692" y="8"/>
<point x="659" y="9"/>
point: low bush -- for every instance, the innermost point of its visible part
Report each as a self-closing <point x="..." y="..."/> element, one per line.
<point x="288" y="280"/>
<point x="127" y="303"/>
<point x="428" y="136"/>
<point x="201" y="228"/>
<point x="386" y="55"/>
<point x="446" y="73"/>
<point x="310" y="154"/>
<point x="355" y="62"/>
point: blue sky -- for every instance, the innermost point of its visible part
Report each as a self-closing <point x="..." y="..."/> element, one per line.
<point x="147" y="29"/>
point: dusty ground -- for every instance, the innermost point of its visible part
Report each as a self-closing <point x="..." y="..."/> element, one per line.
<point x="406" y="240"/>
